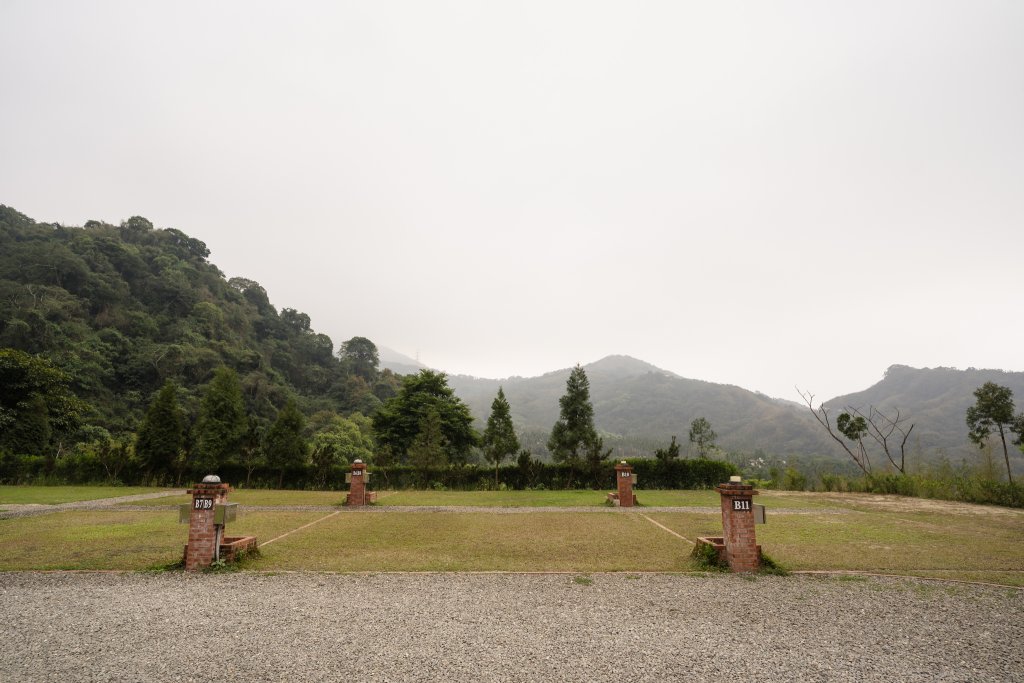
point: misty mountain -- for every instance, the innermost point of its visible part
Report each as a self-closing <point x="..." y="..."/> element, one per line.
<point x="638" y="407"/>
<point x="644" y="406"/>
<point x="934" y="399"/>
<point x="398" y="363"/>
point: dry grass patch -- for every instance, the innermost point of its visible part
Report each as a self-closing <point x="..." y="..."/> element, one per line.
<point x="117" y="539"/>
<point x="584" y="542"/>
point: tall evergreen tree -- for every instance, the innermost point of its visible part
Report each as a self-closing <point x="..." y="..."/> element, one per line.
<point x="500" y="436"/>
<point x="573" y="435"/>
<point x="162" y="433"/>
<point x="222" y="422"/>
<point x="703" y="436"/>
<point x="285" y="446"/>
<point x="428" y="448"/>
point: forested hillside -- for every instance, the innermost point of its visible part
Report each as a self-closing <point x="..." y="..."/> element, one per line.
<point x="934" y="399"/>
<point x="122" y="309"/>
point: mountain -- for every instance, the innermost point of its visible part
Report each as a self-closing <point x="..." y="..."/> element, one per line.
<point x="934" y="399"/>
<point x="639" y="407"/>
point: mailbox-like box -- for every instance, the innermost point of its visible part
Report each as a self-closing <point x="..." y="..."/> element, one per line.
<point x="227" y="512"/>
<point x="222" y="514"/>
<point x="759" y="515"/>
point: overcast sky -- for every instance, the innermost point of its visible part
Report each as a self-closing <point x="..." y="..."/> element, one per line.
<point x="765" y="194"/>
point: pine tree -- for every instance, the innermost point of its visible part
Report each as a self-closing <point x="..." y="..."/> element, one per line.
<point x="285" y="446"/>
<point x="500" y="436"/>
<point x="222" y="422"/>
<point x="702" y="436"/>
<point x="428" y="449"/>
<point x="161" y="435"/>
<point x="574" y="435"/>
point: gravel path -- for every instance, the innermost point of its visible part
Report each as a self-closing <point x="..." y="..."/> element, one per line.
<point x="503" y="627"/>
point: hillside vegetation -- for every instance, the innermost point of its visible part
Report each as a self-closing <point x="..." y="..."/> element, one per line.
<point x="121" y="309"/>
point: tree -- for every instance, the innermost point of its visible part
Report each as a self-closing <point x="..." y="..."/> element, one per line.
<point x="573" y="435"/>
<point x="428" y="448"/>
<point x="993" y="409"/>
<point x="855" y="428"/>
<point x="821" y="415"/>
<point x="880" y="427"/>
<point x="222" y="422"/>
<point x="360" y="354"/>
<point x="500" y="436"/>
<point x="284" y="445"/>
<point x="664" y="455"/>
<point x="397" y="423"/>
<point x="250" y="454"/>
<point x="341" y="441"/>
<point x="1018" y="429"/>
<point x="702" y="436"/>
<point x="36" y="402"/>
<point x="854" y="425"/>
<point x="161" y="435"/>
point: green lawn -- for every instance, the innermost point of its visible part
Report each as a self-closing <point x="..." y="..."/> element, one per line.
<point x="542" y="541"/>
<point x="52" y="495"/>
<point x="653" y="498"/>
<point x="825" y="532"/>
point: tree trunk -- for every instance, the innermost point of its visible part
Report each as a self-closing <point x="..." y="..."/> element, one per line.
<point x="1006" y="455"/>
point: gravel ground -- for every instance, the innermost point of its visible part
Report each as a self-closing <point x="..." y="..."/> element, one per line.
<point x="503" y="627"/>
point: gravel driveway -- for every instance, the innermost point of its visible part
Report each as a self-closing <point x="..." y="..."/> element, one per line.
<point x="503" y="627"/>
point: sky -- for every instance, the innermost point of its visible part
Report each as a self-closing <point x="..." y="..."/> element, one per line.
<point x="771" y="195"/>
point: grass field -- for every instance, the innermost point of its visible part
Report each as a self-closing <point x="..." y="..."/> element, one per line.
<point x="53" y="495"/>
<point x="854" y="532"/>
<point x="595" y="499"/>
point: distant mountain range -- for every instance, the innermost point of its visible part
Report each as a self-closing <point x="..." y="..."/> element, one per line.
<point x="639" y="406"/>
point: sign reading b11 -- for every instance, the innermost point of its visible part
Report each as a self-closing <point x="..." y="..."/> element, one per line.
<point x="740" y="504"/>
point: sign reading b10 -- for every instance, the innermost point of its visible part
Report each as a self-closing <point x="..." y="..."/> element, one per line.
<point x="740" y="504"/>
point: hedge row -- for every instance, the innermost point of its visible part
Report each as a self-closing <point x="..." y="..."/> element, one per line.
<point x="652" y="474"/>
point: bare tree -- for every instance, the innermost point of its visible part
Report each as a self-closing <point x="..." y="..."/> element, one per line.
<point x="855" y="426"/>
<point x="821" y="415"/>
<point x="881" y="428"/>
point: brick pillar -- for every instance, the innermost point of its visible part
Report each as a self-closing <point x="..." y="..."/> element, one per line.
<point x="741" y="549"/>
<point x="357" y="489"/>
<point x="624" y="483"/>
<point x="202" y="534"/>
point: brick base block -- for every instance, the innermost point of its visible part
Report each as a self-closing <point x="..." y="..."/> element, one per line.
<point x="370" y="497"/>
<point x="718" y="543"/>
<point x="613" y="498"/>
<point x="232" y="546"/>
